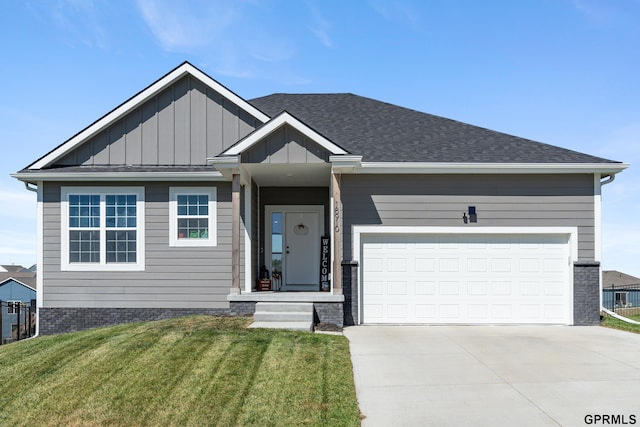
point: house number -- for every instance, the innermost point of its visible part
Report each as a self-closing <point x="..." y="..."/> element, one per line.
<point x="337" y="219"/>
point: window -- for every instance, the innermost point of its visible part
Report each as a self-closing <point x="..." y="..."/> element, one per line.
<point x="621" y="299"/>
<point x="102" y="228"/>
<point x="192" y="216"/>
<point x="14" y="306"/>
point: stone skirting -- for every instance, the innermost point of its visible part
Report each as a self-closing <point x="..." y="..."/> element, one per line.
<point x="586" y="293"/>
<point x="62" y="320"/>
<point x="350" y="289"/>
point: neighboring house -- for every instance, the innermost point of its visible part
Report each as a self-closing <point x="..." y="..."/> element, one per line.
<point x="13" y="292"/>
<point x="178" y="200"/>
<point x="620" y="290"/>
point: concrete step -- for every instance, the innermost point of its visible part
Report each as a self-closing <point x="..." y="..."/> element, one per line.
<point x="283" y="316"/>
<point x="295" y="326"/>
<point x="280" y="307"/>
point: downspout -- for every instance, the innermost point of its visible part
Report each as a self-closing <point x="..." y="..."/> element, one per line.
<point x="609" y="180"/>
<point x="26" y="185"/>
<point x="35" y="190"/>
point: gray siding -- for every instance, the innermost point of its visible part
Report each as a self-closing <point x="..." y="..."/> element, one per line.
<point x="182" y="277"/>
<point x="286" y="145"/>
<point x="182" y="125"/>
<point x="500" y="200"/>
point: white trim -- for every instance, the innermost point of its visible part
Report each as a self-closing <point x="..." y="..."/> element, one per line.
<point x="358" y="231"/>
<point x="273" y="125"/>
<point x="65" y="265"/>
<point x="332" y="225"/>
<point x="475" y="168"/>
<point x="211" y="193"/>
<point x="268" y="210"/>
<point x="139" y="99"/>
<point x="247" y="238"/>
<point x="119" y="176"/>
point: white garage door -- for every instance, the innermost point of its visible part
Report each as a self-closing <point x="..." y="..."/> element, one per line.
<point x="466" y="279"/>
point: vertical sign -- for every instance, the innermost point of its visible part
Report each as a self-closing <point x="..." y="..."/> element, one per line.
<point x="325" y="247"/>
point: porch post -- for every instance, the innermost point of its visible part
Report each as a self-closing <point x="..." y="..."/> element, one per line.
<point x="337" y="235"/>
<point x="235" y="235"/>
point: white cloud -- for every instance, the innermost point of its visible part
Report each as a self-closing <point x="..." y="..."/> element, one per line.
<point x="396" y="11"/>
<point x="321" y="26"/>
<point x="81" y="19"/>
<point x="232" y="38"/>
<point x="180" y="26"/>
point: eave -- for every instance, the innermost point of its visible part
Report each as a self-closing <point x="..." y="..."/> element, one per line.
<point x="488" y="168"/>
<point x="36" y="176"/>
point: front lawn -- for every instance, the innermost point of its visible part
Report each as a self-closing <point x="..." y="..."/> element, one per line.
<point x="195" y="371"/>
<point x="612" y="322"/>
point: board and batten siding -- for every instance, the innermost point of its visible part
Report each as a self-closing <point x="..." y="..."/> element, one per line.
<point x="500" y="200"/>
<point x="286" y="145"/>
<point x="182" y="125"/>
<point x="174" y="277"/>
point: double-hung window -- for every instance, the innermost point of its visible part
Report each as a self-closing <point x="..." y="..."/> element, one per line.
<point x="102" y="228"/>
<point x="192" y="216"/>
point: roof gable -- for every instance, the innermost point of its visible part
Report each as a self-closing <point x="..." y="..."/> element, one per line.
<point x="281" y="120"/>
<point x="129" y="116"/>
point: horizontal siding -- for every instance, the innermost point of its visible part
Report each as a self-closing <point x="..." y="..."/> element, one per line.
<point x="173" y="277"/>
<point x="500" y="200"/>
<point x="182" y="125"/>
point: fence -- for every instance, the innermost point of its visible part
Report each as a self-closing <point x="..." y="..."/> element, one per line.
<point x="17" y="320"/>
<point x="623" y="299"/>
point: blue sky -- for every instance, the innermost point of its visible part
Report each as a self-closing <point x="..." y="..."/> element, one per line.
<point x="564" y="72"/>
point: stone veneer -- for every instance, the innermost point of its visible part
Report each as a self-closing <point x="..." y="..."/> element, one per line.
<point x="586" y="293"/>
<point x="61" y="320"/>
<point x="350" y="291"/>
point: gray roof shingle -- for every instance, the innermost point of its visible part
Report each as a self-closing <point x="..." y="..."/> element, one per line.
<point x="383" y="132"/>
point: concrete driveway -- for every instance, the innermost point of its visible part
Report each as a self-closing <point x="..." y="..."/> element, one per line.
<point x="495" y="375"/>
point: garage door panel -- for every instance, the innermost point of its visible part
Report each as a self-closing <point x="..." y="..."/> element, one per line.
<point x="465" y="279"/>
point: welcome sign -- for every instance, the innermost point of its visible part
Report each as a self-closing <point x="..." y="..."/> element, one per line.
<point x="325" y="247"/>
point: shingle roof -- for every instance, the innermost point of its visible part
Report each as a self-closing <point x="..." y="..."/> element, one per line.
<point x="383" y="132"/>
<point x="613" y="278"/>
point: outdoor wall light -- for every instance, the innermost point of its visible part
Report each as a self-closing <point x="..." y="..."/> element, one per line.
<point x="473" y="216"/>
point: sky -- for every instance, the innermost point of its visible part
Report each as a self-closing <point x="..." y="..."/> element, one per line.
<point x="563" y="72"/>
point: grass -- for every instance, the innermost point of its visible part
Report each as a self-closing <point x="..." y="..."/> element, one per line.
<point x="612" y="322"/>
<point x="199" y="371"/>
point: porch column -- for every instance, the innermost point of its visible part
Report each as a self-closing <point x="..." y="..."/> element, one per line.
<point x="235" y="235"/>
<point x="337" y="234"/>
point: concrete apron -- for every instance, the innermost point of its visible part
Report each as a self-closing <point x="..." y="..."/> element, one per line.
<point x="495" y="375"/>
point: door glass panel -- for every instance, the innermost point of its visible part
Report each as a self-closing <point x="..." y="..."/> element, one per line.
<point x="276" y="242"/>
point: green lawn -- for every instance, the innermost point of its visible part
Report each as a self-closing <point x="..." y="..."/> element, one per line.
<point x="612" y="322"/>
<point x="195" y="371"/>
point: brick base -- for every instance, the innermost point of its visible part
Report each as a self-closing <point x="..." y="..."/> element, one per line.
<point x="586" y="293"/>
<point x="62" y="320"/>
<point x="350" y="291"/>
<point x="329" y="312"/>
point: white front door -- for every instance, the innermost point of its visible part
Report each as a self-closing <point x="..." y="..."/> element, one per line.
<point x="302" y="250"/>
<point x="293" y="246"/>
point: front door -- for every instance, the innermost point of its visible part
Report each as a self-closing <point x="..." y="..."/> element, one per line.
<point x="294" y="246"/>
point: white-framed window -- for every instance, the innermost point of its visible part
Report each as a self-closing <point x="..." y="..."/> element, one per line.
<point x="192" y="216"/>
<point x="12" y="306"/>
<point x="102" y="228"/>
<point x="621" y="299"/>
